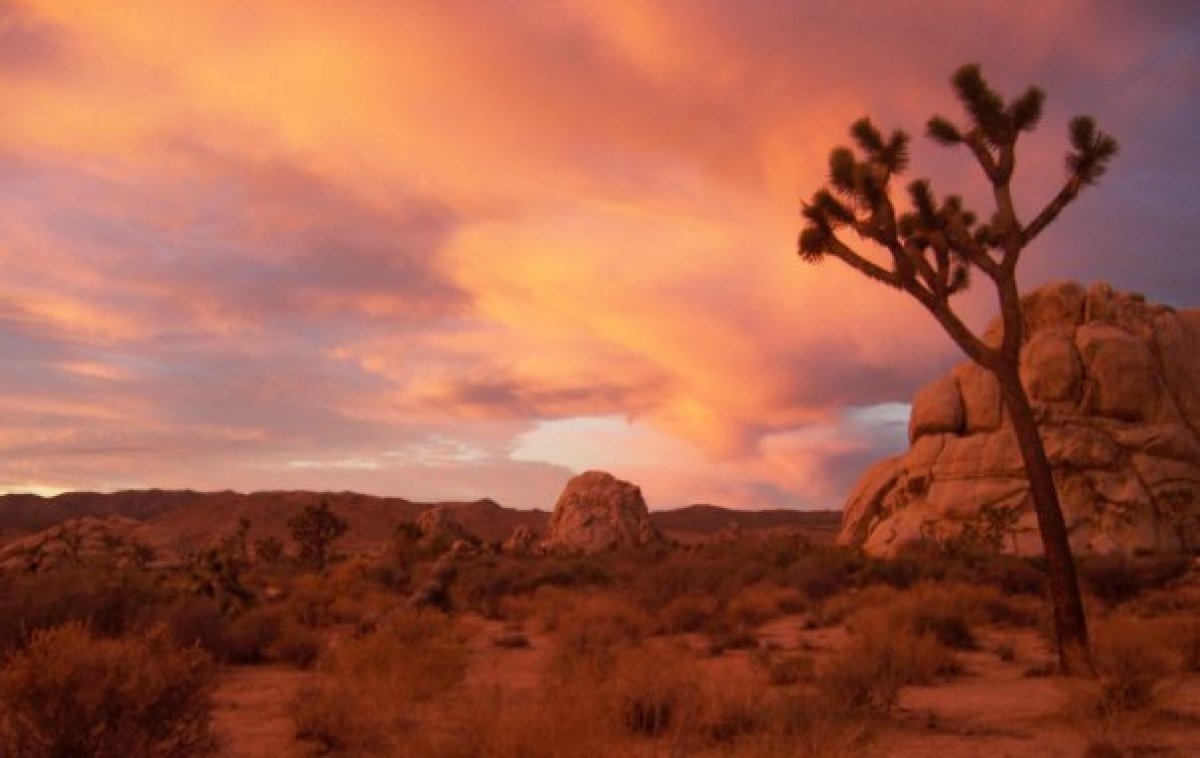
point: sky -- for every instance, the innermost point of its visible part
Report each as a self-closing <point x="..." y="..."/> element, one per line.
<point x="453" y="250"/>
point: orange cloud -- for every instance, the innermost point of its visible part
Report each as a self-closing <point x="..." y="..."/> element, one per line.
<point x="340" y="244"/>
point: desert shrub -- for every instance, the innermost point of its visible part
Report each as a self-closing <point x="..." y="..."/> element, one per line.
<point x="730" y="709"/>
<point x="687" y="613"/>
<point x="296" y="644"/>
<point x="759" y="603"/>
<point x="1184" y="639"/>
<point x="904" y="570"/>
<point x="1009" y="574"/>
<point x="805" y="723"/>
<point x="311" y="601"/>
<point x="511" y="639"/>
<point x="1131" y="665"/>
<point x="251" y="634"/>
<point x="1006" y="650"/>
<point x="655" y="691"/>
<point x="1118" y="578"/>
<point x="484" y="585"/>
<point x="594" y="632"/>
<point x="361" y="701"/>
<point x="947" y="624"/>
<point x="108" y="602"/>
<point x="564" y="720"/>
<point x="391" y="575"/>
<point x="269" y="550"/>
<point x="882" y="656"/>
<point x="838" y="608"/>
<point x="69" y="693"/>
<point x="783" y="669"/>
<point x="195" y="620"/>
<point x="722" y="639"/>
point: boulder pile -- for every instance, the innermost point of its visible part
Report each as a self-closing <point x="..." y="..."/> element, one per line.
<point x="1115" y="385"/>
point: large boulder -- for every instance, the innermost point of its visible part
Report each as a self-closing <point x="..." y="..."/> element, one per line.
<point x="1115" y="384"/>
<point x="598" y="512"/>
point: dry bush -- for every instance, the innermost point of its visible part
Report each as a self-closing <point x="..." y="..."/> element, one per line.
<point x="687" y="613"/>
<point x="110" y="602"/>
<point x="1006" y="649"/>
<point x="866" y="676"/>
<point x="71" y="694"/>
<point x="310" y="601"/>
<point x="1118" y="708"/>
<point x="488" y="584"/>
<point x="363" y="698"/>
<point x="592" y="634"/>
<point x="838" y="608"/>
<point x="1184" y="639"/>
<point x="784" y="669"/>
<point x="1131" y="667"/>
<point x="1116" y="579"/>
<point x="561" y="721"/>
<point x="804" y="724"/>
<point x="758" y="603"/>
<point x="1161" y="602"/>
<point x="655" y="691"/>
<point x="195" y="620"/>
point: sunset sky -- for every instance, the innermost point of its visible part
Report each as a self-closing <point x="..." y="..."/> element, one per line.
<point x="443" y="249"/>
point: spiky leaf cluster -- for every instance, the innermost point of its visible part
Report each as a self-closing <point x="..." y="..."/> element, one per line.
<point x="1093" y="149"/>
<point x="936" y="244"/>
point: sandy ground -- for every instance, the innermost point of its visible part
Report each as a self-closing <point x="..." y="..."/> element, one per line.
<point x="992" y="709"/>
<point x="251" y="718"/>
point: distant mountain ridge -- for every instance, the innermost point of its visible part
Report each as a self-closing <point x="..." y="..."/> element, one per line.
<point x="178" y="518"/>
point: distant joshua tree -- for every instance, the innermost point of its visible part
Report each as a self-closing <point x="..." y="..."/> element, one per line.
<point x="314" y="529"/>
<point x="932" y="251"/>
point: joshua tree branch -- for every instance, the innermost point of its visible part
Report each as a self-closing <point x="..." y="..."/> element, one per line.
<point x="873" y="270"/>
<point x="1064" y="197"/>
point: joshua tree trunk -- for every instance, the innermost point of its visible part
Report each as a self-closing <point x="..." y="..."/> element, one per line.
<point x="933" y="250"/>
<point x="1070" y="626"/>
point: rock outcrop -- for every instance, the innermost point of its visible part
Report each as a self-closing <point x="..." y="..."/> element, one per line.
<point x="84" y="541"/>
<point x="522" y="541"/>
<point x="597" y="512"/>
<point x="439" y="527"/>
<point x="1115" y="384"/>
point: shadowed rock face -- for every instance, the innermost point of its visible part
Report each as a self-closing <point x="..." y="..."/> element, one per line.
<point x="1115" y="384"/>
<point x="597" y="512"/>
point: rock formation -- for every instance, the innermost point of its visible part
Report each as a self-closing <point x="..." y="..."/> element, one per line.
<point x="1115" y="384"/>
<point x="439" y="527"/>
<point x="597" y="512"/>
<point x="88" y="540"/>
<point x="522" y="541"/>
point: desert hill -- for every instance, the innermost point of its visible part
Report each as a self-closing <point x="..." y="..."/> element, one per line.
<point x="172" y="520"/>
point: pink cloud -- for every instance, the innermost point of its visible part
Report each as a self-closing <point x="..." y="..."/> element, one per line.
<point x="248" y="245"/>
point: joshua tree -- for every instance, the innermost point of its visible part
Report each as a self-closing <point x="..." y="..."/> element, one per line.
<point x="314" y="529"/>
<point x="931" y="251"/>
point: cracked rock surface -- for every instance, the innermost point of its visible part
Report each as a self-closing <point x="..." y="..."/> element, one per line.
<point x="598" y="512"/>
<point x="1115" y="384"/>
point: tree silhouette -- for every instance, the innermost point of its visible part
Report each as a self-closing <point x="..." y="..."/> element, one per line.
<point x="314" y="529"/>
<point x="934" y="249"/>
